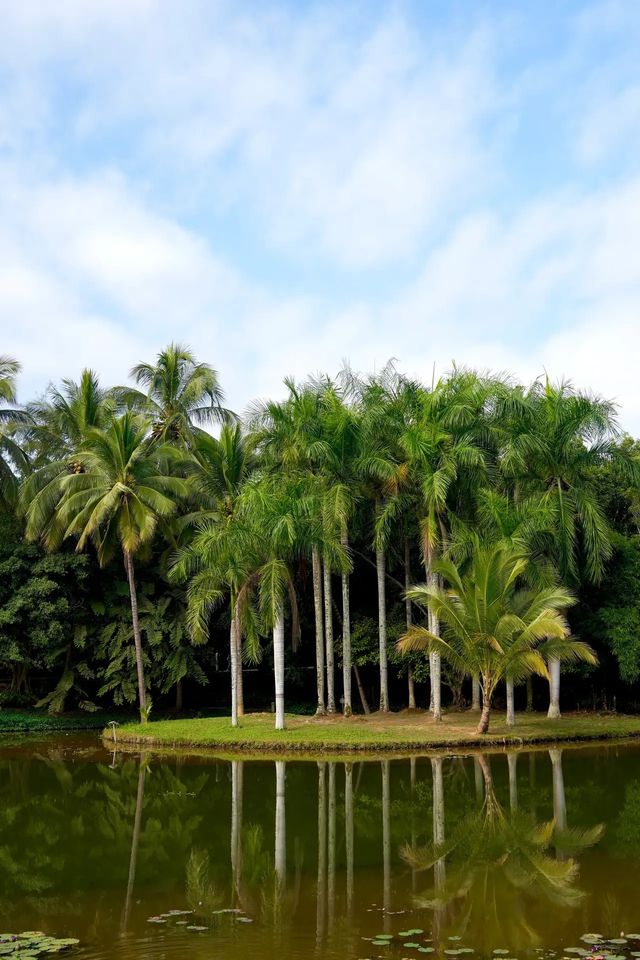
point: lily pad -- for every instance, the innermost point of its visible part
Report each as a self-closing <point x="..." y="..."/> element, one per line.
<point x="380" y="943"/>
<point x="425" y="949"/>
<point x="198" y="929"/>
<point x="411" y="945"/>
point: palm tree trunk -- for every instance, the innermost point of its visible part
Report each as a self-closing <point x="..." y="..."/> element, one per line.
<point x="317" y="605"/>
<point x="382" y="630"/>
<point x="135" y="843"/>
<point x="346" y="637"/>
<point x="386" y="842"/>
<point x="435" y="666"/>
<point x="233" y="658"/>
<point x="328" y="633"/>
<point x="348" y="832"/>
<point x="278" y="667"/>
<point x="479" y="785"/>
<point x="137" y="639"/>
<point x="476" y="705"/>
<point x="239" y="676"/>
<point x="559" y="800"/>
<point x="331" y="844"/>
<point x="280" y="859"/>
<point x="407" y="606"/>
<point x="512" y="761"/>
<point x="483" y="725"/>
<point x="321" y="904"/>
<point x="511" y="713"/>
<point x="554" y="689"/>
<point x="237" y="768"/>
<point x="439" y="867"/>
<point x="363" y="696"/>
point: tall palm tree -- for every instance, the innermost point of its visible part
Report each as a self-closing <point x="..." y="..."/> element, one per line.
<point x="58" y="426"/>
<point x="182" y="394"/>
<point x="444" y="447"/>
<point x="115" y="500"/>
<point x="493" y="625"/>
<point x="555" y="438"/>
<point x="12" y="456"/>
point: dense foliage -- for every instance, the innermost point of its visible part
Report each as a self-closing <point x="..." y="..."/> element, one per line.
<point x="152" y="541"/>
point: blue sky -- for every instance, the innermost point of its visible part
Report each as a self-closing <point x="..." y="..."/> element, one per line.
<point x="285" y="185"/>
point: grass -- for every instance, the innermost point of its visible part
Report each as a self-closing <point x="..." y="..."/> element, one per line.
<point x="39" y="721"/>
<point x="397" y="732"/>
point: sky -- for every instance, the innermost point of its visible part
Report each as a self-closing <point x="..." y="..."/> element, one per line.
<point x="287" y="185"/>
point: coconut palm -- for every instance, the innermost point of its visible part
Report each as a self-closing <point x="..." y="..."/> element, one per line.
<point x="12" y="456"/>
<point x="115" y="500"/>
<point x="181" y="396"/>
<point x="493" y="625"/>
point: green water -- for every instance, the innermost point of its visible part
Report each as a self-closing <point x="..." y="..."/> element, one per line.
<point x="532" y="850"/>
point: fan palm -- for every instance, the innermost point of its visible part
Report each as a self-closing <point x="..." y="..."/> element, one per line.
<point x="492" y="625"/>
<point x="116" y="498"/>
<point x="182" y="394"/>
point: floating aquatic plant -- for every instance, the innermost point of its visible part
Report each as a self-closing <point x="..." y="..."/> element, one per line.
<point x="32" y="944"/>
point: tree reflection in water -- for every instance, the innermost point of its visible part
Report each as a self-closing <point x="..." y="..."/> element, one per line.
<point x="495" y="858"/>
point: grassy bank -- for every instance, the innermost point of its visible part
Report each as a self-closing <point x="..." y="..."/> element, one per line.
<point x="39" y="721"/>
<point x="407" y="731"/>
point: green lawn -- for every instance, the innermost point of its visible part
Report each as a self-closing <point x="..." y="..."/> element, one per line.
<point x="392" y="732"/>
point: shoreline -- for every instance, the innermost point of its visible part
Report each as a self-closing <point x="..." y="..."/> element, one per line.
<point x="360" y="738"/>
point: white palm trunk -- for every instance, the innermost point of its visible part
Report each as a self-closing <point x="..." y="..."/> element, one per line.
<point x="237" y="771"/>
<point x="278" y="667"/>
<point x="476" y="705"/>
<point x="321" y="889"/>
<point x="239" y="675"/>
<point x="511" y="713"/>
<point x="233" y="657"/>
<point x="280" y="859"/>
<point x="331" y="844"/>
<point x="317" y="606"/>
<point x="407" y="606"/>
<point x="439" y="869"/>
<point x="512" y="760"/>
<point x="382" y="630"/>
<point x="346" y="638"/>
<point x="554" y="688"/>
<point x="435" y="665"/>
<point x="386" y="842"/>
<point x="328" y="633"/>
<point x="348" y="832"/>
<point x="559" y="799"/>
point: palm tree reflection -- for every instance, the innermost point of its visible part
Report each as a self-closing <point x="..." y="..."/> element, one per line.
<point x="498" y="865"/>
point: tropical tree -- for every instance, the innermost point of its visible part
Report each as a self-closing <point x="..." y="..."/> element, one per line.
<point x="444" y="447"/>
<point x="555" y="437"/>
<point x="12" y="456"/>
<point x="115" y="499"/>
<point x="181" y="395"/>
<point x="492" y="624"/>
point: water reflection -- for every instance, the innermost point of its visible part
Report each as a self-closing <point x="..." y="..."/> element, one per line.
<point x="286" y="858"/>
<point x="498" y="862"/>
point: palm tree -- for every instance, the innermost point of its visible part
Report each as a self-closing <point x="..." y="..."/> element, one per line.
<point x="493" y="625"/>
<point x="555" y="438"/>
<point x="115" y="499"/>
<point x="181" y="396"/>
<point x="11" y="453"/>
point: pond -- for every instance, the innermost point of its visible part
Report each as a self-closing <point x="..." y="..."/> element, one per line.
<point x="503" y="854"/>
